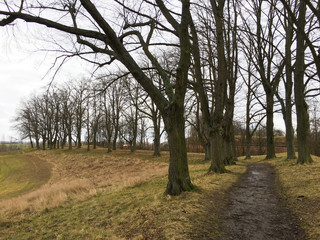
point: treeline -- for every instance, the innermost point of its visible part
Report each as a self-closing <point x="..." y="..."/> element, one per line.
<point x="103" y="113"/>
<point x="196" y="61"/>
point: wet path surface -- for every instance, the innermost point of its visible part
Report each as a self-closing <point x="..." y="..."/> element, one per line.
<point x="255" y="211"/>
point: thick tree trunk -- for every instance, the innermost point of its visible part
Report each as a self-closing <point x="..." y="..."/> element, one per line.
<point x="229" y="145"/>
<point x="179" y="179"/>
<point x="248" y="144"/>
<point x="217" y="152"/>
<point x="289" y="134"/>
<point x="270" y="137"/>
<point x="207" y="153"/>
<point x="37" y="142"/>
<point x="303" y="127"/>
<point x="43" y="142"/>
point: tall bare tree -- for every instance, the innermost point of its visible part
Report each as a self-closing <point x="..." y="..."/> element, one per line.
<point x="303" y="125"/>
<point x="99" y="37"/>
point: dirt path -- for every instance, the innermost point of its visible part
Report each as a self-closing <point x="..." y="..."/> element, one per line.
<point x="255" y="211"/>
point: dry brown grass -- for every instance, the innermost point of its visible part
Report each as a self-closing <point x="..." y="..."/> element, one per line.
<point x="79" y="175"/>
<point x="46" y="197"/>
<point x="140" y="211"/>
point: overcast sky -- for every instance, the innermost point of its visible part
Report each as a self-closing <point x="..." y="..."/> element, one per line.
<point x="23" y="72"/>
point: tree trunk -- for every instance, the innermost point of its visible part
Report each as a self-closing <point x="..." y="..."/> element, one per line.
<point x="115" y="137"/>
<point x="37" y="142"/>
<point x="248" y="144"/>
<point x="229" y="144"/>
<point x="303" y="127"/>
<point x="79" y="137"/>
<point x="270" y="137"/>
<point x="217" y="152"/>
<point x="288" y="87"/>
<point x="109" y="145"/>
<point x="290" y="139"/>
<point x="216" y="132"/>
<point x="31" y="142"/>
<point x="156" y="143"/>
<point x="43" y="142"/>
<point x="94" y="138"/>
<point x="156" y="129"/>
<point x="179" y="179"/>
<point x="70" y="139"/>
<point x="207" y="153"/>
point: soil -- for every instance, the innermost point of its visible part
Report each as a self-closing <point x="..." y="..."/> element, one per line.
<point x="255" y="211"/>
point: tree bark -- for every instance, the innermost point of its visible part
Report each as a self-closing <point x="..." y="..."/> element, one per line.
<point x="270" y="137"/>
<point x="156" y="141"/>
<point x="303" y="125"/>
<point x="179" y="179"/>
<point x="216" y="140"/>
<point x="288" y="87"/>
<point x="217" y="152"/>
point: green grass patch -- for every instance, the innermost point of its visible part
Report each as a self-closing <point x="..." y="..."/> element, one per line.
<point x="21" y="173"/>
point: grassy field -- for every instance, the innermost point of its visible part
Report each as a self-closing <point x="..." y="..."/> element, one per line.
<point x="21" y="173"/>
<point x="94" y="195"/>
<point x="116" y="196"/>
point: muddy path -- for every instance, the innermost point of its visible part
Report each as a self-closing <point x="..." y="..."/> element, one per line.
<point x="255" y="211"/>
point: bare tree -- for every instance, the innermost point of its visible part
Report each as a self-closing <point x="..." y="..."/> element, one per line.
<point x="287" y="103"/>
<point x="101" y="38"/>
<point x="303" y="126"/>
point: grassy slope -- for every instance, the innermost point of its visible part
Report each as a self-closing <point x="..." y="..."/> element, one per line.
<point x="137" y="212"/>
<point x="20" y="173"/>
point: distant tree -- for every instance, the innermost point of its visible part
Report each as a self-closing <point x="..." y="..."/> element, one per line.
<point x="79" y="97"/>
<point x="68" y="111"/>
